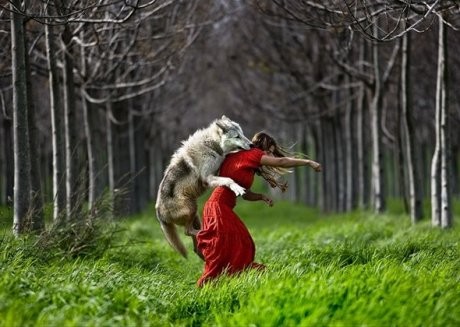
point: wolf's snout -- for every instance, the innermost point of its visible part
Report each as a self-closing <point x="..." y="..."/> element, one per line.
<point x="247" y="146"/>
<point x="251" y="145"/>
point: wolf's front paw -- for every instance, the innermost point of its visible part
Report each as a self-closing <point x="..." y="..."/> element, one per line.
<point x="238" y="190"/>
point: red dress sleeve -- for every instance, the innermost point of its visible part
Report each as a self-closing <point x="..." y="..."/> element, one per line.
<point x="253" y="157"/>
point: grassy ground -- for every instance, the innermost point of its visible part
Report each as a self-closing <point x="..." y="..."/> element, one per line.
<point x="342" y="270"/>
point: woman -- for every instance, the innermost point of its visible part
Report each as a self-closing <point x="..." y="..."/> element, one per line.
<point x="224" y="240"/>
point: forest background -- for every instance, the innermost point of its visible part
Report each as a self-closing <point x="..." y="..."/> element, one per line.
<point x="96" y="96"/>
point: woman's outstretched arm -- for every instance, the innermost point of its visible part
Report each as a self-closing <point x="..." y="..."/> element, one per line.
<point x="288" y="162"/>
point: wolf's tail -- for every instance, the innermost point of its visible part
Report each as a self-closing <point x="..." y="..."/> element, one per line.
<point x="170" y="232"/>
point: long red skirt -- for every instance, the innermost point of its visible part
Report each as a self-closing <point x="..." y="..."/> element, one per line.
<point x="224" y="240"/>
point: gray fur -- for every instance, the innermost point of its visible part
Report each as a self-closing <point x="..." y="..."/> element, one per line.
<point x="192" y="169"/>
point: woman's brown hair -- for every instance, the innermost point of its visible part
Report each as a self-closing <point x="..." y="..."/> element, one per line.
<point x="272" y="175"/>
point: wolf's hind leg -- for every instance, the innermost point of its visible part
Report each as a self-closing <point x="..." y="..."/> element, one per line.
<point x="197" y="226"/>
<point x="187" y="218"/>
<point x="193" y="226"/>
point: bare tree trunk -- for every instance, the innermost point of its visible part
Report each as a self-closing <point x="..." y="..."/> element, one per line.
<point x="110" y="158"/>
<point x="89" y="153"/>
<point x="110" y="154"/>
<point x="349" y="153"/>
<point x="446" y="202"/>
<point x="360" y="148"/>
<point x="90" y="146"/>
<point x="36" y="210"/>
<point x="378" y="192"/>
<point x="399" y="160"/>
<point x="436" y="175"/>
<point x="409" y="134"/>
<point x="339" y="147"/>
<point x="360" y="140"/>
<point x="401" y="163"/>
<point x="70" y="125"/>
<point x="20" y="124"/>
<point x="56" y="125"/>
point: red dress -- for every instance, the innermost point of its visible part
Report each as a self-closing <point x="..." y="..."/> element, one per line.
<point x="224" y="240"/>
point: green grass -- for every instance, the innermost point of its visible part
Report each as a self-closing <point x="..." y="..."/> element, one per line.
<point x="337" y="270"/>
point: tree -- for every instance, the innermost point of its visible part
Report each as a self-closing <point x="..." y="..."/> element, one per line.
<point x="378" y="191"/>
<point x="441" y="213"/>
<point x="20" y="123"/>
<point x="58" y="155"/>
<point x="415" y="199"/>
<point x="70" y="125"/>
<point x="37" y="222"/>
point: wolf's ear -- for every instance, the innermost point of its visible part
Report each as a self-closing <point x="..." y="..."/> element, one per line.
<point x="222" y="126"/>
<point x="224" y="117"/>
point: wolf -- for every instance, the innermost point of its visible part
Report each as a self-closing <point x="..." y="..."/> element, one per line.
<point x="192" y="169"/>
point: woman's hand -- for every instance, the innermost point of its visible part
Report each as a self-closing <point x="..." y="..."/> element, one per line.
<point x="267" y="200"/>
<point x="315" y="165"/>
